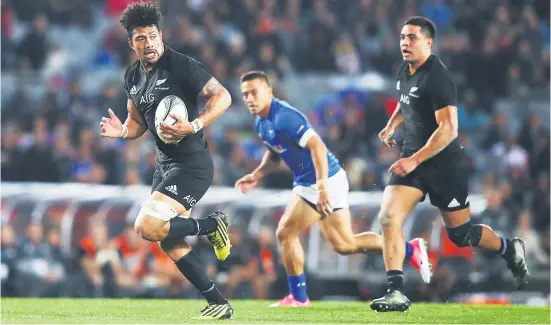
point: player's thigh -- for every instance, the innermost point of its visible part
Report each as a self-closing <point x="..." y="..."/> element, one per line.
<point x="186" y="184"/>
<point x="337" y="228"/>
<point x="399" y="198"/>
<point x="455" y="218"/>
<point x="179" y="189"/>
<point x="337" y="186"/>
<point x="297" y="217"/>
<point x="156" y="211"/>
<point x="448" y="190"/>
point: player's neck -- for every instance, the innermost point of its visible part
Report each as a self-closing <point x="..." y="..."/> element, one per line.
<point x="266" y="111"/>
<point x="414" y="66"/>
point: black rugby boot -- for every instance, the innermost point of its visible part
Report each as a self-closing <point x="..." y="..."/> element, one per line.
<point x="517" y="262"/>
<point x="391" y="301"/>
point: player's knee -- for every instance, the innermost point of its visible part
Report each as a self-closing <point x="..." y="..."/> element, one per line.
<point x="465" y="235"/>
<point x="389" y="221"/>
<point x="344" y="249"/>
<point x="283" y="233"/>
<point x="151" y="223"/>
<point x="148" y="232"/>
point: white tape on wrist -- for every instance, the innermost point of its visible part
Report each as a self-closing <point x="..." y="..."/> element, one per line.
<point x="197" y="125"/>
<point x="124" y="132"/>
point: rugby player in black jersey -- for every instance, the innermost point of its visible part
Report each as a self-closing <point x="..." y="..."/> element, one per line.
<point x="184" y="169"/>
<point x="431" y="163"/>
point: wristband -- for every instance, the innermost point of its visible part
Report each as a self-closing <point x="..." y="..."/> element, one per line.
<point x="124" y="132"/>
<point x="197" y="125"/>
<point x="321" y="184"/>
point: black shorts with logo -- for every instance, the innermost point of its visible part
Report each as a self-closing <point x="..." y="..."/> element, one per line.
<point x="444" y="179"/>
<point x="186" y="181"/>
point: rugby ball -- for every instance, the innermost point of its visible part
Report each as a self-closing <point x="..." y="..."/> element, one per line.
<point x="167" y="105"/>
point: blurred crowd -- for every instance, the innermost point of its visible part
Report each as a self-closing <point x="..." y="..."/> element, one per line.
<point x="33" y="265"/>
<point x="66" y="59"/>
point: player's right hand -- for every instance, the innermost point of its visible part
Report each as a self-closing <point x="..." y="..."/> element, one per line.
<point x="111" y="127"/>
<point x="245" y="183"/>
<point x="386" y="136"/>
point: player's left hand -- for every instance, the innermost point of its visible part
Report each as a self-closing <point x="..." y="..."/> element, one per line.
<point x="404" y="166"/>
<point x="178" y="130"/>
<point x="323" y="206"/>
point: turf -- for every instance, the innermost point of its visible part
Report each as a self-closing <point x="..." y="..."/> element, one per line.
<point x="122" y="311"/>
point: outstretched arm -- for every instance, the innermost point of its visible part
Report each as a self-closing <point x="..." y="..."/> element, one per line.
<point x="134" y="126"/>
<point x="269" y="160"/>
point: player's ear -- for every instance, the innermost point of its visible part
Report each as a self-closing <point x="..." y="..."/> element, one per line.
<point x="131" y="43"/>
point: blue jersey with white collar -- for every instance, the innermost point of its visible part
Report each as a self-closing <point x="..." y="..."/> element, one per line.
<point x="286" y="131"/>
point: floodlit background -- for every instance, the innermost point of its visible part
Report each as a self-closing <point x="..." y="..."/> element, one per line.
<point x="62" y="67"/>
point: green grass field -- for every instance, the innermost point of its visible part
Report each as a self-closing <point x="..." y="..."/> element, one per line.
<point x="120" y="311"/>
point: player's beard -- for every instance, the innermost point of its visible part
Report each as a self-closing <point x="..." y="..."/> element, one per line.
<point x="147" y="64"/>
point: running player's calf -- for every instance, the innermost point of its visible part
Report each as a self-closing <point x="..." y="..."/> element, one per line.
<point x="159" y="221"/>
<point x="189" y="264"/>
<point x="337" y="229"/>
<point x="478" y="235"/>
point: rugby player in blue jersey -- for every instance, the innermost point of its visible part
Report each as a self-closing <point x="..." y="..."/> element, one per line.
<point x="320" y="188"/>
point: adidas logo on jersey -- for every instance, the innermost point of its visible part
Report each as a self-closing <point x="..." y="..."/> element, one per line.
<point x="172" y="189"/>
<point x="453" y="204"/>
<point x="133" y="90"/>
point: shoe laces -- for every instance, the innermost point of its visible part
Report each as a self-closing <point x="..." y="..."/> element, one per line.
<point x="217" y="241"/>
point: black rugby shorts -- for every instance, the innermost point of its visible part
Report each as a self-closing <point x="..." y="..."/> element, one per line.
<point x="444" y="179"/>
<point x="185" y="182"/>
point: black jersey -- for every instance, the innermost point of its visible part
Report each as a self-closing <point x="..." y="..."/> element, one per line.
<point x="429" y="89"/>
<point x="174" y="74"/>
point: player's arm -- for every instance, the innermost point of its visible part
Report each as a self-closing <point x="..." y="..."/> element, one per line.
<point x="318" y="151"/>
<point x="442" y="94"/>
<point x="270" y="160"/>
<point x="134" y="126"/>
<point x="218" y="101"/>
<point x="442" y="136"/>
<point x="396" y="119"/>
<point x="298" y="128"/>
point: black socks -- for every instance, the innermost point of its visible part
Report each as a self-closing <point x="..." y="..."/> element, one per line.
<point x="181" y="227"/>
<point x="506" y="251"/>
<point x="395" y="280"/>
<point x="191" y="267"/>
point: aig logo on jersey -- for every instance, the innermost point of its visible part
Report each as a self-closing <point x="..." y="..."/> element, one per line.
<point x="146" y="99"/>
<point x="413" y="92"/>
<point x="190" y="200"/>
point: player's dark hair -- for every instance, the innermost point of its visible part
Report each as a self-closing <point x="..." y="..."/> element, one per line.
<point x="140" y="14"/>
<point x="252" y="75"/>
<point x="427" y="26"/>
